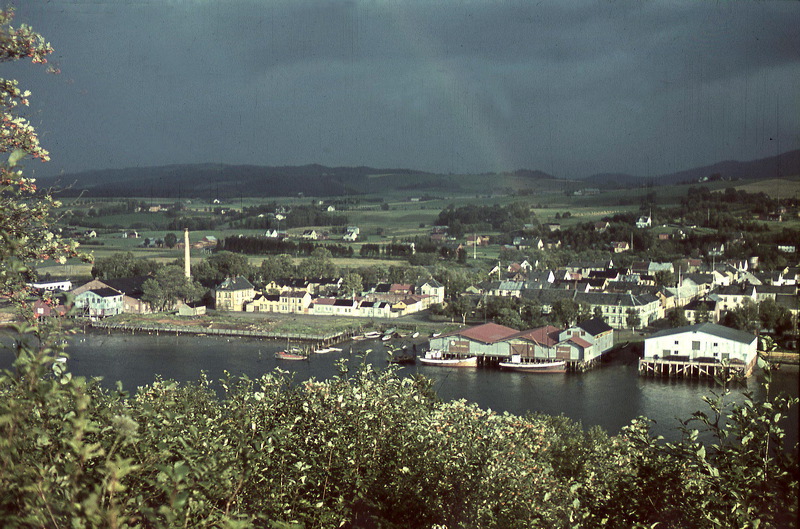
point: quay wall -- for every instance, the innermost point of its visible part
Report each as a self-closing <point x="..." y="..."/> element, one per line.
<point x="198" y="330"/>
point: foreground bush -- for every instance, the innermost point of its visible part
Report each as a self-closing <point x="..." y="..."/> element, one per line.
<point x="363" y="449"/>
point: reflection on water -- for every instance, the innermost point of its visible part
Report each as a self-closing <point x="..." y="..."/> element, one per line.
<point x="610" y="396"/>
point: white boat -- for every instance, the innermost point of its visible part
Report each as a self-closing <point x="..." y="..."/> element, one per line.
<point x="557" y="366"/>
<point x="372" y="335"/>
<point x="324" y="350"/>
<point x="415" y="335"/>
<point x="437" y="358"/>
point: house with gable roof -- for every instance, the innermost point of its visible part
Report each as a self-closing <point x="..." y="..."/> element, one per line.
<point x="99" y="302"/>
<point x="702" y="342"/>
<point x="586" y="340"/>
<point x="233" y="293"/>
<point x="488" y="339"/>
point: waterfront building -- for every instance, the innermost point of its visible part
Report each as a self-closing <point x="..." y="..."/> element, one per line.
<point x="586" y="341"/>
<point x="487" y="340"/>
<point x="703" y="349"/>
<point x="99" y="303"/>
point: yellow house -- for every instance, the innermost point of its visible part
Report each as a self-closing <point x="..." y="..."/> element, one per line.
<point x="232" y="294"/>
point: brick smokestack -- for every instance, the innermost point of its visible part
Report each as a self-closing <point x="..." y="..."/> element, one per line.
<point x="187" y="270"/>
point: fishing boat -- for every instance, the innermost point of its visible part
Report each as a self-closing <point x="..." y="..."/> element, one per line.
<point x="402" y="359"/>
<point x="291" y="354"/>
<point x="516" y="364"/>
<point x="438" y="358"/>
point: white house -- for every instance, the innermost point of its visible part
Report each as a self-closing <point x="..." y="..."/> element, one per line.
<point x="433" y="288"/>
<point x="644" y="222"/>
<point x="99" y="302"/>
<point x="702" y="342"/>
<point x="53" y="286"/>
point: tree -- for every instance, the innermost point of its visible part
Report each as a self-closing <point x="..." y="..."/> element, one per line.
<point x="510" y="318"/>
<point x="26" y="236"/>
<point x="676" y="318"/>
<point x="744" y="317"/>
<point x="168" y="286"/>
<point x="123" y="264"/>
<point x="460" y="307"/>
<point x="170" y="240"/>
<point x="633" y="320"/>
<point x="665" y="278"/>
<point x="564" y="312"/>
<point x="277" y="267"/>
<point x="352" y="285"/>
<point x="318" y="264"/>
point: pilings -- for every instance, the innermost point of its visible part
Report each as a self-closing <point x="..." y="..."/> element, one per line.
<point x="688" y="369"/>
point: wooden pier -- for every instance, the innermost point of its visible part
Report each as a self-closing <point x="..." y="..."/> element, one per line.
<point x="688" y="369"/>
<point x="320" y="339"/>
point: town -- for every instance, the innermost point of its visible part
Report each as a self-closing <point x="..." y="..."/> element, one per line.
<point x="712" y="269"/>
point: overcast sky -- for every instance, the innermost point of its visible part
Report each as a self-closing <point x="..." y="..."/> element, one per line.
<point x="570" y="88"/>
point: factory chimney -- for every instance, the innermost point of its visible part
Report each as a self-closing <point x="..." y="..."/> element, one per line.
<point x="187" y="270"/>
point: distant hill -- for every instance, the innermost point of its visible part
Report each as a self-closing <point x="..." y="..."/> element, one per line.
<point x="782" y="165"/>
<point x="233" y="181"/>
<point x="219" y="180"/>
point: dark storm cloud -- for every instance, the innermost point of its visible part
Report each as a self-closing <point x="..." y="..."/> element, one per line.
<point x="568" y="87"/>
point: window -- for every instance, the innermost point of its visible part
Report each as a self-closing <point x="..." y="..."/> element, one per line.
<point x="676" y="342"/>
<point x="695" y="346"/>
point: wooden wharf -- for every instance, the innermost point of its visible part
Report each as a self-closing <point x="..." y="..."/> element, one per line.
<point x="321" y="339"/>
<point x="689" y="369"/>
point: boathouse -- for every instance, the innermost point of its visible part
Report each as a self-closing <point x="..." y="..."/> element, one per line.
<point x="701" y="350"/>
<point x="587" y="340"/>
<point x="487" y="342"/>
<point x="535" y="345"/>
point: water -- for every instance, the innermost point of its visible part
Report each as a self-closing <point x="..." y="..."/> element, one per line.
<point x="609" y="396"/>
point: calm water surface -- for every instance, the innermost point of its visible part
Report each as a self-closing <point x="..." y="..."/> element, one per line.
<point x="609" y="396"/>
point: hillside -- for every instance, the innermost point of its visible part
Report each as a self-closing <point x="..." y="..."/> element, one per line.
<point x="780" y="166"/>
<point x="233" y="181"/>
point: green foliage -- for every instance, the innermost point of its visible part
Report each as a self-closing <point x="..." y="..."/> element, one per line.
<point x="359" y="449"/>
<point x="168" y="286"/>
<point x="123" y="264"/>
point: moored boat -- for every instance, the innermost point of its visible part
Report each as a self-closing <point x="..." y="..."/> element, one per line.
<point x="557" y="366"/>
<point x="437" y="358"/>
<point x="291" y="354"/>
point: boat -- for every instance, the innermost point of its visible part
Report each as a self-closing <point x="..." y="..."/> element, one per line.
<point x="438" y="358"/>
<point x="436" y="335"/>
<point x="386" y="337"/>
<point x="415" y="334"/>
<point x="556" y="366"/>
<point x="324" y="350"/>
<point x="371" y="335"/>
<point x="403" y="359"/>
<point x="291" y="354"/>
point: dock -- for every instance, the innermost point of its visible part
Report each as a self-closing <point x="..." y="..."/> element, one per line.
<point x="689" y="369"/>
